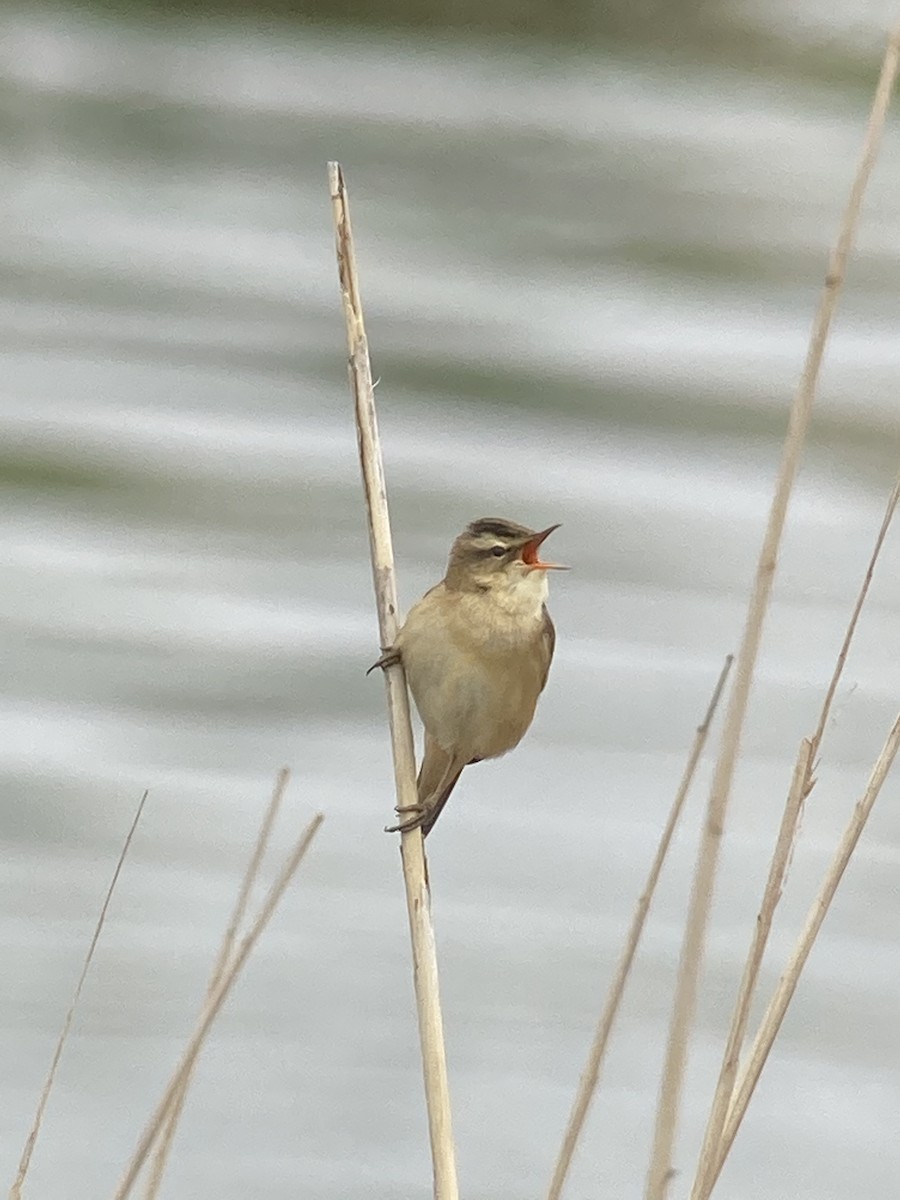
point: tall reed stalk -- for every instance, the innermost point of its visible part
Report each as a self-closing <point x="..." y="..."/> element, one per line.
<point x="412" y="847"/>
<point x="661" y="1164"/>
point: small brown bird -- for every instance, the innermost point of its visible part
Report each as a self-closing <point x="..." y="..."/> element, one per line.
<point x="476" y="650"/>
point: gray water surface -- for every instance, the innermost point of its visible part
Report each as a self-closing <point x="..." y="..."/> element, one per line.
<point x="589" y="276"/>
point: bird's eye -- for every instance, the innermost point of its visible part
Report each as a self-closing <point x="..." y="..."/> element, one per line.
<point x="498" y="551"/>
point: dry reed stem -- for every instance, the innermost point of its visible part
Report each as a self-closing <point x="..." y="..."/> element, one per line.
<point x="412" y="850"/>
<point x="720" y="789"/>
<point x="164" y="1145"/>
<point x="889" y="511"/>
<point x="799" y="789"/>
<point x="591" y="1075"/>
<point x="15" y="1192"/>
<point x="801" y="784"/>
<point x="214" y="1002"/>
<point x="774" y="1014"/>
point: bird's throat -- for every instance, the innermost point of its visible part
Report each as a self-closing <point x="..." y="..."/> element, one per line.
<point x="521" y="596"/>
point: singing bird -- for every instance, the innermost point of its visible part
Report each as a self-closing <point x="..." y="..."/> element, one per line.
<point x="476" y="650"/>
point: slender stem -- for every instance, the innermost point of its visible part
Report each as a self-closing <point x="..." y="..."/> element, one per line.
<point x="787" y="984"/>
<point x="15" y="1191"/>
<point x="589" y="1079"/>
<point x="723" y="775"/>
<point x="801" y="785"/>
<point x="889" y="511"/>
<point x="164" y="1145"/>
<point x="214" y="1002"/>
<point x="415" y="874"/>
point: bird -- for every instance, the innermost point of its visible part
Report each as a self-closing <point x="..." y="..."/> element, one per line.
<point x="476" y="650"/>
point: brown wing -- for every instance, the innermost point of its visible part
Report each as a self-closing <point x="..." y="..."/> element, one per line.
<point x="548" y="643"/>
<point x="437" y="779"/>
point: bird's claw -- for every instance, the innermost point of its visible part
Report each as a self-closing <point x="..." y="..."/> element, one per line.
<point x="389" y="658"/>
<point x="419" y="817"/>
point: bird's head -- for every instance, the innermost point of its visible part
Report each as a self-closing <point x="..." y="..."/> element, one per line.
<point x="492" y="553"/>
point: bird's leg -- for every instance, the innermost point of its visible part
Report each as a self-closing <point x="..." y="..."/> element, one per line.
<point x="426" y="812"/>
<point x="416" y="809"/>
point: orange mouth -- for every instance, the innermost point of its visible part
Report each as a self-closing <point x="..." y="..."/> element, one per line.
<point x="530" y="553"/>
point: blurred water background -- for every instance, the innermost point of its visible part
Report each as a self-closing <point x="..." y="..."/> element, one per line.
<point x="591" y="243"/>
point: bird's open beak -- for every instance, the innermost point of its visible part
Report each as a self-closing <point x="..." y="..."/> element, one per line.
<point x="530" y="553"/>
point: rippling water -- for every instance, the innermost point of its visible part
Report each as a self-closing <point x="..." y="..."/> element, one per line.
<point x="588" y="278"/>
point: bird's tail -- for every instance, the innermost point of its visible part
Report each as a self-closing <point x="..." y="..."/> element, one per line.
<point x="437" y="779"/>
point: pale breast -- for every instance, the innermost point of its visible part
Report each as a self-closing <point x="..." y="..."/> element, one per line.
<point x="475" y="672"/>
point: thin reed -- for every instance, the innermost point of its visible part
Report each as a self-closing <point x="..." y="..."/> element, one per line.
<point x="661" y="1164"/>
<point x="226" y="951"/>
<point x="15" y="1192"/>
<point x="229" y="963"/>
<point x="778" y="1005"/>
<point x="412" y="848"/>
<point x="214" y="1001"/>
<point x="591" y="1075"/>
<point x="713" y="1150"/>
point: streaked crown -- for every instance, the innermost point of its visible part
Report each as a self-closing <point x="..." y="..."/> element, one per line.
<point x="489" y="531"/>
<point x="485" y="549"/>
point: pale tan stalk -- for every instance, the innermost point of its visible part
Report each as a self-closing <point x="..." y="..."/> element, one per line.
<point x="801" y="785"/>
<point x="214" y="1002"/>
<point x="889" y="511"/>
<point x="167" y="1134"/>
<point x="418" y="898"/>
<point x="589" y="1079"/>
<point x="720" y="790"/>
<point x="787" y="984"/>
<point x="15" y="1192"/>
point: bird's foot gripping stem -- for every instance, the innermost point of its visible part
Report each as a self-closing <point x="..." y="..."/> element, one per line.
<point x="419" y="817"/>
<point x="389" y="658"/>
